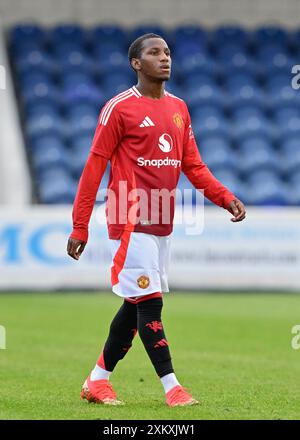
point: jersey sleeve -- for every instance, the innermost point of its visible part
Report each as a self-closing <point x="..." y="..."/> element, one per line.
<point x="86" y="195"/>
<point x="198" y="173"/>
<point x="109" y="131"/>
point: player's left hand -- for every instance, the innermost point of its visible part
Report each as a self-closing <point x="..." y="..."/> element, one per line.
<point x="75" y="248"/>
<point x="237" y="208"/>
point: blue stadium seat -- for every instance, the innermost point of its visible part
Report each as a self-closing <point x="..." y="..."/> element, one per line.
<point x="76" y="62"/>
<point x="284" y="97"/>
<point x="294" y="188"/>
<point x="45" y="125"/>
<point x="294" y="178"/>
<point x="148" y="29"/>
<point x="47" y="141"/>
<point x="253" y="126"/>
<point x="212" y="126"/>
<point x="241" y="64"/>
<point x="79" y="125"/>
<point x="115" y="62"/>
<point x="278" y="81"/>
<point x="81" y="142"/>
<point x="200" y="62"/>
<point x="43" y="108"/>
<point x="219" y="157"/>
<point x="212" y="142"/>
<point x="280" y="64"/>
<point x="229" y="52"/>
<point x="67" y="33"/>
<point x="231" y="180"/>
<point x="56" y="186"/>
<point x="241" y="114"/>
<point x="290" y="144"/>
<point x="266" y="188"/>
<point x="208" y="118"/>
<point x="68" y="49"/>
<point x="36" y="60"/>
<point x="293" y="195"/>
<point x="186" y="49"/>
<point x="42" y="94"/>
<point x="22" y="51"/>
<point x="109" y="33"/>
<point x="116" y="81"/>
<point x="31" y="79"/>
<point x="270" y="34"/>
<point x="237" y="84"/>
<point x="189" y="33"/>
<point x="283" y="115"/>
<point x="108" y="50"/>
<point x="206" y="95"/>
<point x="294" y="40"/>
<point x="200" y="113"/>
<point x="174" y="89"/>
<point x="257" y="156"/>
<point x="253" y="143"/>
<point x="75" y="78"/>
<point x="48" y="158"/>
<point x="198" y="79"/>
<point x="290" y="153"/>
<point x="86" y="93"/>
<point x="27" y="33"/>
<point x="291" y="129"/>
<point x="83" y="109"/>
<point x="229" y="35"/>
<point x="77" y="162"/>
<point x="267" y="52"/>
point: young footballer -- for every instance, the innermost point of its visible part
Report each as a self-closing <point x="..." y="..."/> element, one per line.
<point x="146" y="134"/>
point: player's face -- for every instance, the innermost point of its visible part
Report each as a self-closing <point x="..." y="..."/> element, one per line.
<point x="155" y="61"/>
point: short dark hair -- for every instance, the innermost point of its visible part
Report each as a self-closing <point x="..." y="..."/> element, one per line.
<point x="136" y="46"/>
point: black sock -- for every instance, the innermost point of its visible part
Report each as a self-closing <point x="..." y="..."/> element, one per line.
<point x="152" y="334"/>
<point x="121" y="333"/>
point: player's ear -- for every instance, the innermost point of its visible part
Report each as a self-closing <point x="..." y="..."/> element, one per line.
<point x="136" y="64"/>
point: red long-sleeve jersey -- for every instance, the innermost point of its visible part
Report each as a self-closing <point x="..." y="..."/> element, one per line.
<point x="148" y="142"/>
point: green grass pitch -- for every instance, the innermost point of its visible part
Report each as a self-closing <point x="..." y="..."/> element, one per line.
<point x="233" y="351"/>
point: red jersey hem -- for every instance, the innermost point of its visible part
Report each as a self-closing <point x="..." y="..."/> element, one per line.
<point x="115" y="231"/>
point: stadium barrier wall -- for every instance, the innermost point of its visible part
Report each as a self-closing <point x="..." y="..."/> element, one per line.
<point x="262" y="252"/>
<point x="15" y="185"/>
<point x="167" y="12"/>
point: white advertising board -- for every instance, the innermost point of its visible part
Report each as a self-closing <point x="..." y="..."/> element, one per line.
<point x="262" y="252"/>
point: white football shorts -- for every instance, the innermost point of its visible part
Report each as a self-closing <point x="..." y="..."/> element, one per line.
<point x="139" y="264"/>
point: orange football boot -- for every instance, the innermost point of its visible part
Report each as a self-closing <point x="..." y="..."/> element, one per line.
<point x="99" y="391"/>
<point x="178" y="396"/>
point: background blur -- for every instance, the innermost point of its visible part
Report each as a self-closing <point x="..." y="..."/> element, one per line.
<point x="232" y="63"/>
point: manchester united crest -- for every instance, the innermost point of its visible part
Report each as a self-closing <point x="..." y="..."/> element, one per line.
<point x="143" y="281"/>
<point x="177" y="118"/>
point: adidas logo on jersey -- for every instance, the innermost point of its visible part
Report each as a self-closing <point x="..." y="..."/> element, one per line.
<point x="147" y="122"/>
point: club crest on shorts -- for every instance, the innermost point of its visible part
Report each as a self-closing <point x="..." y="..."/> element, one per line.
<point x="143" y="281"/>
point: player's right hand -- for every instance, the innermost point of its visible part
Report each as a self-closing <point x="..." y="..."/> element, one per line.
<point x="75" y="248"/>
